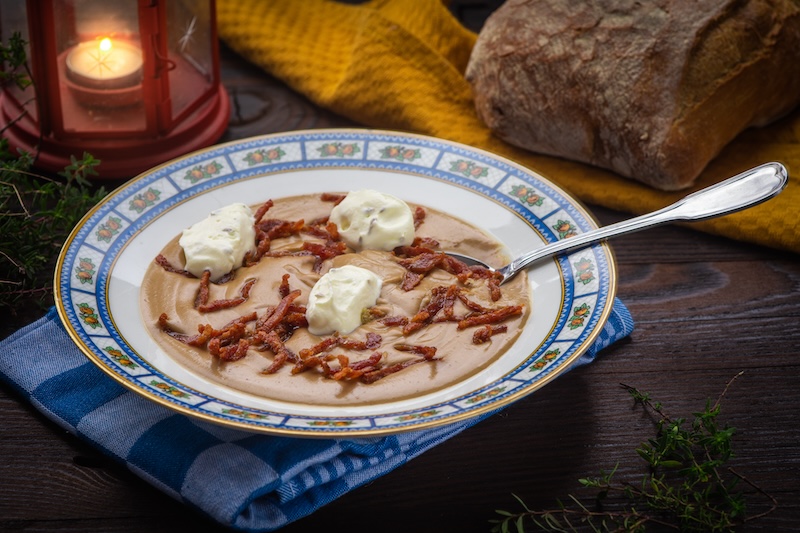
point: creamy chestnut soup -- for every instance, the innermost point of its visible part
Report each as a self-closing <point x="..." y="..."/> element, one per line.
<point x="172" y="297"/>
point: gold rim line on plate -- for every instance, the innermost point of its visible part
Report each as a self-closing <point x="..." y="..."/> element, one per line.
<point x="489" y="406"/>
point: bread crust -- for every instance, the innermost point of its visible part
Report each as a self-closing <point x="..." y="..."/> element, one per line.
<point x="651" y="90"/>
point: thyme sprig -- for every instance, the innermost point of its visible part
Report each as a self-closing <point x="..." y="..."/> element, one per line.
<point x="36" y="215"/>
<point x="37" y="212"/>
<point x="687" y="485"/>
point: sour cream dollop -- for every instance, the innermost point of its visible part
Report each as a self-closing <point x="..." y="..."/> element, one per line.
<point x="219" y="242"/>
<point x="372" y="220"/>
<point x="338" y="298"/>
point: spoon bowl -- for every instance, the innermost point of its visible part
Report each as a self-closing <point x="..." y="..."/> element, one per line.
<point x="733" y="194"/>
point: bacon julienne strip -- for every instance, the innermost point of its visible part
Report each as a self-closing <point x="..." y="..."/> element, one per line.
<point x="319" y="251"/>
<point x="312" y="357"/>
<point x="232" y="352"/>
<point x="494" y="289"/>
<point x="164" y="263"/>
<point x="275" y="229"/>
<point x="323" y="346"/>
<point x="263" y="244"/>
<point x="325" y="251"/>
<point x="349" y="372"/>
<point x="448" y="305"/>
<point x="419" y="216"/>
<point x="270" y="321"/>
<point x="492" y="316"/>
<point x="228" y="343"/>
<point x="372" y="341"/>
<point x="471" y="304"/>
<point x="244" y="319"/>
<point x="370" y="362"/>
<point x="425" y="242"/>
<point x="427" y="314"/>
<point x="375" y="375"/>
<point x="164" y="325"/>
<point x="261" y="211"/>
<point x="323" y="229"/>
<point x="394" y="321"/>
<point x="485" y="333"/>
<point x="427" y="352"/>
<point x="230" y="334"/>
<point x="417" y="248"/>
<point x="410" y="280"/>
<point x="282" y="353"/>
<point x="216" y="305"/>
<point x="284" y="289"/>
<point x="419" y="259"/>
<point x="306" y="363"/>
<point x="336" y="199"/>
<point x="333" y="231"/>
<point x="203" y="290"/>
<point x="424" y="262"/>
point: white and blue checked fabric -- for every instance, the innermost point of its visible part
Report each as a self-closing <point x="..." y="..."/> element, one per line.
<point x="244" y="480"/>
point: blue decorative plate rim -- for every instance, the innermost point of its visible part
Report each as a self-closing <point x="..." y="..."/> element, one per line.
<point x="88" y="256"/>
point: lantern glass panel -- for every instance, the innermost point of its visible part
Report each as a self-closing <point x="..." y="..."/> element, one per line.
<point x="190" y="49"/>
<point x="100" y="65"/>
<point x="14" y="19"/>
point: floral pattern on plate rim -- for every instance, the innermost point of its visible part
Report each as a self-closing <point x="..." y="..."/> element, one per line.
<point x="578" y="323"/>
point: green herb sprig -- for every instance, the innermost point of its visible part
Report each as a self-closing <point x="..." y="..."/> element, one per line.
<point x="687" y="485"/>
<point x="36" y="212"/>
<point x="36" y="215"/>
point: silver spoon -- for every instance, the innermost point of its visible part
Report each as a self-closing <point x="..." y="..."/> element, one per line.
<point x="734" y="194"/>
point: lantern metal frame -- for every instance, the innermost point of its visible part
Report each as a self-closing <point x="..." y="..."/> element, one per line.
<point x="163" y="134"/>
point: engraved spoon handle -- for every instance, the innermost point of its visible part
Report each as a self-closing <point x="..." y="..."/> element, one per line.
<point x="734" y="194"/>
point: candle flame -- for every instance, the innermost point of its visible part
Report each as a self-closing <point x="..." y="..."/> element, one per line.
<point x="105" y="44"/>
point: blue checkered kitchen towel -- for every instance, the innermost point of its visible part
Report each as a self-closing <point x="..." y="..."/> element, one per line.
<point x="247" y="481"/>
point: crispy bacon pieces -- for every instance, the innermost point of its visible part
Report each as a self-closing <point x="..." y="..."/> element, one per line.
<point x="204" y="306"/>
<point x="336" y="199"/>
<point x="441" y="308"/>
<point x="270" y="330"/>
<point x="275" y="316"/>
<point x="419" y="216"/>
<point x="492" y="316"/>
<point x="420" y="259"/>
<point x="270" y="229"/>
<point x="316" y="357"/>
<point x="282" y="353"/>
<point x="321" y="229"/>
<point x="485" y="333"/>
<point x="261" y="211"/>
<point x="164" y="263"/>
<point x="367" y="370"/>
<point x="228" y="343"/>
<point x="203" y="290"/>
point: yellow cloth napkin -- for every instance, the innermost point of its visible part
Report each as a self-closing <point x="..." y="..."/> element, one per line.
<point x="399" y="65"/>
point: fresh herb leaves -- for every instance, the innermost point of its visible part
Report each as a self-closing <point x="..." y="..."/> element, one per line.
<point x="36" y="212"/>
<point x="36" y="215"/>
<point x="687" y="485"/>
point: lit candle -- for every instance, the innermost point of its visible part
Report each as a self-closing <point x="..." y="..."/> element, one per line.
<point x="103" y="64"/>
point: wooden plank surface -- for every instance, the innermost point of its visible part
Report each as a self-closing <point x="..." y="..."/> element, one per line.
<point x="706" y="309"/>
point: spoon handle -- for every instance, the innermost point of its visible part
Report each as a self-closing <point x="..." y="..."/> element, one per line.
<point x="734" y="194"/>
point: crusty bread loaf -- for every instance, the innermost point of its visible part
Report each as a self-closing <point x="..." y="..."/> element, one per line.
<point x="651" y="90"/>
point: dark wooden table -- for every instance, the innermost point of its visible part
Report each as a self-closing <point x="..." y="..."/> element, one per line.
<point x="706" y="309"/>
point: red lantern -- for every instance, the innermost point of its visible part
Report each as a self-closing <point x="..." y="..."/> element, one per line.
<point x="133" y="82"/>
